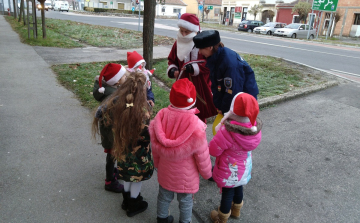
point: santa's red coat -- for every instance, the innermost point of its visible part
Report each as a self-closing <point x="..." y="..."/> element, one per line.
<point x="200" y="78"/>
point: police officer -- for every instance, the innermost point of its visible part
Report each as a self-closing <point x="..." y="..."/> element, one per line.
<point x="229" y="72"/>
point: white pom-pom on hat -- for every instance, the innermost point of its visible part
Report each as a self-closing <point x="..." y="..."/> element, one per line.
<point x="102" y="90"/>
<point x="253" y="128"/>
<point x="183" y="94"/>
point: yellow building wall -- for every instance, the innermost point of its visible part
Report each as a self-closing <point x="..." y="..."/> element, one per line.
<point x="192" y="6"/>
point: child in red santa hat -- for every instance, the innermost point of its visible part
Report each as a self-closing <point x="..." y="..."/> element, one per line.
<point x="110" y="78"/>
<point x="137" y="63"/>
<point x="180" y="151"/>
<point x="238" y="133"/>
<point x="185" y="61"/>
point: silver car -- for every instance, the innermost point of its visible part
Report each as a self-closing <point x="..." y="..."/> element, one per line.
<point x="296" y="30"/>
<point x="269" y="28"/>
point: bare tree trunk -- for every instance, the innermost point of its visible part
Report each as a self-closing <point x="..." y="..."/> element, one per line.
<point x="148" y="31"/>
<point x="42" y="2"/>
<point x="15" y="9"/>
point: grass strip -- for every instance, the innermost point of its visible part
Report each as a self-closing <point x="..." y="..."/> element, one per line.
<point x="273" y="75"/>
<point x="70" y="34"/>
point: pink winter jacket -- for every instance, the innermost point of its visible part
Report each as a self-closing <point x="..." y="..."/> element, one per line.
<point x="232" y="146"/>
<point x="180" y="149"/>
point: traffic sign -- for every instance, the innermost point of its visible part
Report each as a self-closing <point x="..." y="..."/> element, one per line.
<point x="325" y="5"/>
<point x="133" y="9"/>
<point x="201" y="7"/>
<point x="210" y="7"/>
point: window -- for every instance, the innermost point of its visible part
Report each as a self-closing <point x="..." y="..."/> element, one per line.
<point x="216" y="11"/>
<point x="302" y="27"/>
<point x="357" y="19"/>
<point x="245" y="9"/>
<point x="163" y="9"/>
<point x="176" y="11"/>
<point x="296" y="19"/>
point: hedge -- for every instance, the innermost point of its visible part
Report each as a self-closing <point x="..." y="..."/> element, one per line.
<point x="91" y="9"/>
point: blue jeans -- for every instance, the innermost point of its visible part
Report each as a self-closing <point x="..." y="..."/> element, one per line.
<point x="185" y="204"/>
<point x="230" y="195"/>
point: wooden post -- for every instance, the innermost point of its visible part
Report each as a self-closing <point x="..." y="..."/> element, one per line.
<point x="148" y="31"/>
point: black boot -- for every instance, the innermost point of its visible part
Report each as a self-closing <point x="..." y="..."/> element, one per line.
<point x="168" y="219"/>
<point x="126" y="197"/>
<point x="136" y="206"/>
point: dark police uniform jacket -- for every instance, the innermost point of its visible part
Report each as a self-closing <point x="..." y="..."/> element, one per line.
<point x="229" y="75"/>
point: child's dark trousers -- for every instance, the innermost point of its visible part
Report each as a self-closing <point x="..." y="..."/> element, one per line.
<point x="230" y="195"/>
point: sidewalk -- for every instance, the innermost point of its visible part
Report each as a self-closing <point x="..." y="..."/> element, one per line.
<point x="306" y="168"/>
<point x="51" y="171"/>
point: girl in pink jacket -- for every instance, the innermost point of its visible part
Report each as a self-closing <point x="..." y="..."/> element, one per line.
<point x="180" y="151"/>
<point x="238" y="133"/>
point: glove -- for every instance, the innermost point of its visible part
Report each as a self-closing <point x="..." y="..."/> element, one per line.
<point x="172" y="71"/>
<point x="189" y="68"/>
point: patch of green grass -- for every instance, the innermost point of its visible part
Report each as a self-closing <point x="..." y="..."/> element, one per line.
<point x="69" y="34"/>
<point x="160" y="73"/>
<point x="53" y="39"/>
<point x="275" y="76"/>
<point x="79" y="78"/>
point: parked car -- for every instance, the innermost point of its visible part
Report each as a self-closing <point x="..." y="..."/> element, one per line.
<point x="269" y="28"/>
<point x="249" y="25"/>
<point x="48" y="5"/>
<point x="61" y="6"/>
<point x="296" y="30"/>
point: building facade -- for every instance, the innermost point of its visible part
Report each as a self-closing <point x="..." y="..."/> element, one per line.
<point x="348" y="24"/>
<point x="171" y="8"/>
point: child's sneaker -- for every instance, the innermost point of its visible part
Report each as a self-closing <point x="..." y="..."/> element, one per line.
<point x="114" y="186"/>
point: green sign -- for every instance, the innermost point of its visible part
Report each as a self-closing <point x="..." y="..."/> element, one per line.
<point x="237" y="15"/>
<point x="325" y="5"/>
<point x="210" y="7"/>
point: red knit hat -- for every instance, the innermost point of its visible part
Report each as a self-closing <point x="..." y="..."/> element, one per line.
<point x="244" y="105"/>
<point x="134" y="59"/>
<point x="183" y="94"/>
<point x="189" y="22"/>
<point x="111" y="73"/>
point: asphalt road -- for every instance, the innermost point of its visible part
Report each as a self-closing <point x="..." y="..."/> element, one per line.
<point x="330" y="58"/>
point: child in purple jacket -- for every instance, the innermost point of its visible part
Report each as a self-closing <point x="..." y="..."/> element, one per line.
<point x="238" y="133"/>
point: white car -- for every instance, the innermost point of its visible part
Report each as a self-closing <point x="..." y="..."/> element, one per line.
<point x="296" y="30"/>
<point x="269" y="28"/>
<point x="61" y="6"/>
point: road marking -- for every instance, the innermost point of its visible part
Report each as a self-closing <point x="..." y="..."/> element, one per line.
<point x="290" y="47"/>
<point x="159" y="26"/>
<point x="357" y="75"/>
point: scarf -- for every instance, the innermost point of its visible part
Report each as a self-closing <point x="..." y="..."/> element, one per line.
<point x="184" y="45"/>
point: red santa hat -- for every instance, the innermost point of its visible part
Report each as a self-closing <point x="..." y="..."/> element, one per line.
<point x="134" y="59"/>
<point x="189" y="22"/>
<point x="183" y="94"/>
<point x="111" y="73"/>
<point x="244" y="105"/>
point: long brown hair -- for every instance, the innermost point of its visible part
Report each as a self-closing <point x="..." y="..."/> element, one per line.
<point x="125" y="110"/>
<point x="215" y="48"/>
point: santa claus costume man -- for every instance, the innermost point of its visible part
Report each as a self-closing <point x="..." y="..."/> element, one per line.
<point x="185" y="61"/>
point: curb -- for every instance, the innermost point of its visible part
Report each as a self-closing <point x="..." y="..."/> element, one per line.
<point x="265" y="102"/>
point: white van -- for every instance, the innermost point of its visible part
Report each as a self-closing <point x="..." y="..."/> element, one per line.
<point x="61" y="6"/>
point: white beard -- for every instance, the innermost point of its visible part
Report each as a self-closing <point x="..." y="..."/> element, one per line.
<point x="184" y="45"/>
